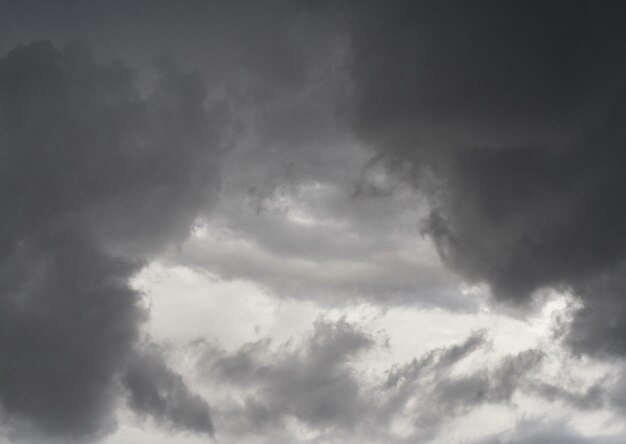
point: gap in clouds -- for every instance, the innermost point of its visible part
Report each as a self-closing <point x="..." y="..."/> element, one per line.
<point x="399" y="356"/>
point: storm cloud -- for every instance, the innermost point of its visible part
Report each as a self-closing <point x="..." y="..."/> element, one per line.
<point x="95" y="179"/>
<point x="288" y="175"/>
<point x="510" y="118"/>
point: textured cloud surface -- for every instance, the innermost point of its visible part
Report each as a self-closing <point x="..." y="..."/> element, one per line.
<point x="510" y="116"/>
<point x="318" y="388"/>
<point x="295" y="221"/>
<point x="94" y="178"/>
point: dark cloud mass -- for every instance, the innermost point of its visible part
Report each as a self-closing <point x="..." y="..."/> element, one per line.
<point x="510" y="117"/>
<point x="68" y="320"/>
<point x="299" y="165"/>
<point x="94" y="178"/>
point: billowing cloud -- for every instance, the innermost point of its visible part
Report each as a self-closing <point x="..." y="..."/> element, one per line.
<point x="510" y="118"/>
<point x="95" y="178"/>
<point x="345" y="151"/>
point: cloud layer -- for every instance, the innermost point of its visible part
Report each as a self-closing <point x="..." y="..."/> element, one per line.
<point x="324" y="153"/>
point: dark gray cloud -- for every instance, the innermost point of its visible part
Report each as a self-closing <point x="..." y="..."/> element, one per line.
<point x="297" y="213"/>
<point x="157" y="391"/>
<point x="95" y="178"/>
<point x="281" y="69"/>
<point x="68" y="321"/>
<point x="510" y="118"/>
<point x="441" y="74"/>
<point x="599" y="327"/>
<point x="211" y="35"/>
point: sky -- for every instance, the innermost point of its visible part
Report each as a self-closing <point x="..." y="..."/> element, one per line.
<point x="312" y="221"/>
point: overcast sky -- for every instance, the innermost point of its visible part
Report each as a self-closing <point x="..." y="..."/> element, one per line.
<point x="312" y="222"/>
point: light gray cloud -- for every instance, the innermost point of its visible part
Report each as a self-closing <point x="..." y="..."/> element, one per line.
<point x="548" y="432"/>
<point x="316" y="382"/>
<point x="311" y="382"/>
<point x="295" y="219"/>
<point x="442" y="395"/>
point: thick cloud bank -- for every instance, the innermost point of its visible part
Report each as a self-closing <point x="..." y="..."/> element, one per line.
<point x="94" y="178"/>
<point x="510" y="116"/>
